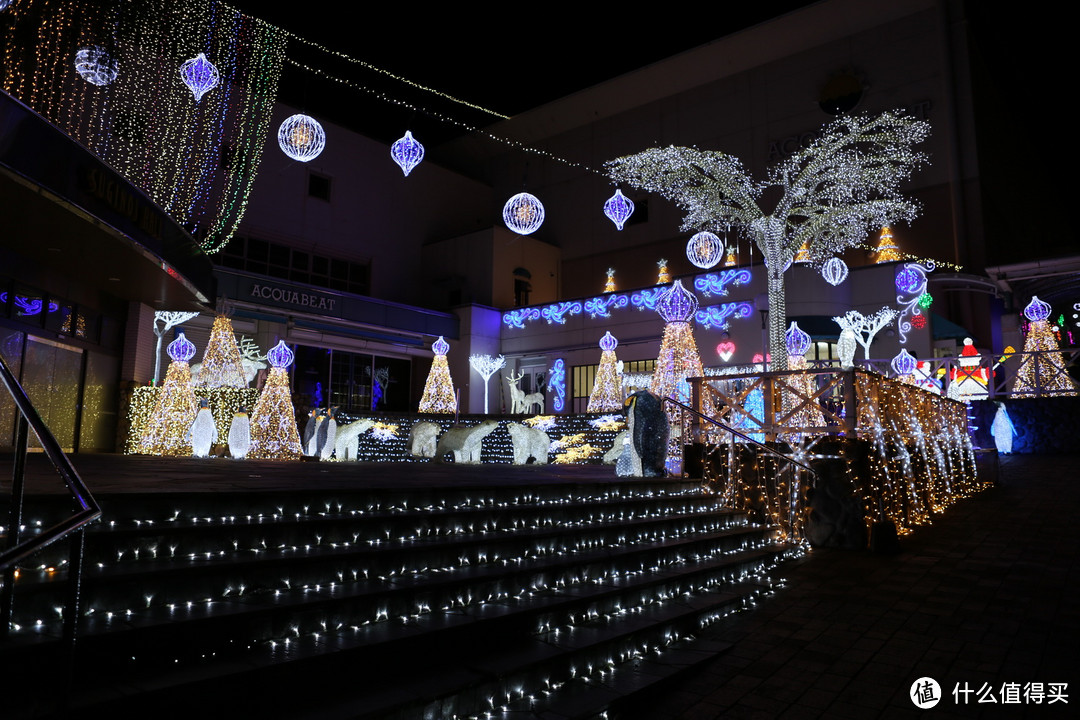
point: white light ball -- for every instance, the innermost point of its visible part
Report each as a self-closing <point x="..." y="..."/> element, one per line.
<point x="301" y="137"/>
<point x="835" y="271"/>
<point x="523" y="213"/>
<point x="704" y="249"/>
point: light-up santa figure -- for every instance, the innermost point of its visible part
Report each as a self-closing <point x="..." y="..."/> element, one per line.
<point x="969" y="380"/>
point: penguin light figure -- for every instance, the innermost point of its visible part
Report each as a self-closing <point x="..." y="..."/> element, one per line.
<point x="203" y="431"/>
<point x="647" y="426"/>
<point x="317" y="424"/>
<point x="240" y="434"/>
<point x="328" y="438"/>
<point x="309" y="430"/>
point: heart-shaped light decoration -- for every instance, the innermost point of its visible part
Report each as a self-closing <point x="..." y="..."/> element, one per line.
<point x="725" y="350"/>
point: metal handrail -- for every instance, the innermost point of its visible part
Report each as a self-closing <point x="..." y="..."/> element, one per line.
<point x="73" y="527"/>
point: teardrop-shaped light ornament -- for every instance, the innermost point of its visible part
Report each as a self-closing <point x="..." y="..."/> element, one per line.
<point x="608" y="342"/>
<point x="95" y="65"/>
<point x="407" y="152"/>
<point x="618" y="208"/>
<point x="440" y="346"/>
<point x="1036" y="309"/>
<point x="280" y="356"/>
<point x="677" y="304"/>
<point x="301" y="137"/>
<point x="523" y="213"/>
<point x="904" y="363"/>
<point x="704" y="249"/>
<point x="835" y="271"/>
<point x="181" y="349"/>
<point x="200" y="75"/>
<point x="797" y="340"/>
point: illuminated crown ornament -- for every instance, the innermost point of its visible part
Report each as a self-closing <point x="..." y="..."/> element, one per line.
<point x="618" y="208"/>
<point x="95" y="65"/>
<point x="200" y="75"/>
<point x="280" y="356"/>
<point x="608" y="342"/>
<point x="301" y="137"/>
<point x="440" y="346"/>
<point x="835" y="271"/>
<point x="704" y="249"/>
<point x="904" y="363"/>
<point x="910" y="280"/>
<point x="181" y="349"/>
<point x="797" y="340"/>
<point x="523" y="213"/>
<point x="1036" y="309"/>
<point x="676" y="304"/>
<point x="407" y="152"/>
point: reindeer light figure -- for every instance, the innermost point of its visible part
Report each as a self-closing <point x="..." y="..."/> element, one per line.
<point x="519" y="401"/>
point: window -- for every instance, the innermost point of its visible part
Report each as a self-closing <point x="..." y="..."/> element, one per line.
<point x="282" y="261"/>
<point x="318" y="186"/>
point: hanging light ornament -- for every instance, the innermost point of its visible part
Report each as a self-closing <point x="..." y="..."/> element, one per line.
<point x="95" y="65"/>
<point x="835" y="271"/>
<point x="407" y="152"/>
<point x="797" y="340"/>
<point x="1036" y="309"/>
<point x="523" y="213"/>
<point x="618" y="208"/>
<point x="200" y="75"/>
<point x="704" y="249"/>
<point x="280" y="356"/>
<point x="301" y="137"/>
<point x="181" y="349"/>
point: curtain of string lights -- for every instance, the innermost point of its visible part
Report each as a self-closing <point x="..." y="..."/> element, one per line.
<point x="108" y="74"/>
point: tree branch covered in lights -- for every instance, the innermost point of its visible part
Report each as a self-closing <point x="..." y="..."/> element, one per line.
<point x="833" y="192"/>
<point x="865" y="327"/>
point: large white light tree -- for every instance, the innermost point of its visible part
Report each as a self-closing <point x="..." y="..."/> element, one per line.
<point x="829" y="194"/>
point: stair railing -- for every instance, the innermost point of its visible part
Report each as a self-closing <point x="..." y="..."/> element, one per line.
<point x="73" y="528"/>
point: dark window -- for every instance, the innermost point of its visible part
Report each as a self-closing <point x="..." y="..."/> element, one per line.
<point x="318" y="186"/>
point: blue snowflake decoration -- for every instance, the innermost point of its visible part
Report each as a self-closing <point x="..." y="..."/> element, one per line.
<point x="618" y="208"/>
<point x="407" y="152"/>
<point x="181" y="349"/>
<point x="200" y="75"/>
<point x="523" y="213"/>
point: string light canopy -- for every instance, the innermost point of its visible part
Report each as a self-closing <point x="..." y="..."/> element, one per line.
<point x="301" y="137"/>
<point x="181" y="349"/>
<point x="95" y="65"/>
<point x="618" y="208"/>
<point x="200" y="75"/>
<point x="280" y="356"/>
<point x="523" y="213"/>
<point x="797" y="340"/>
<point x="407" y="152"/>
<point x="704" y="249"/>
<point x="835" y="271"/>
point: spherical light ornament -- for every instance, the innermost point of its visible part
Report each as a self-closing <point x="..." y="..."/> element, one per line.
<point x="301" y="137"/>
<point x="704" y="250"/>
<point x="407" y="153"/>
<point x="918" y="321"/>
<point x="910" y="280"/>
<point x="608" y="342"/>
<point x="904" y="363"/>
<point x="181" y="349"/>
<point x="926" y="300"/>
<point x="835" y="271"/>
<point x="280" y="356"/>
<point x="200" y="75"/>
<point x="1036" y="309"/>
<point x="523" y="213"/>
<point x="676" y="304"/>
<point x="95" y="66"/>
<point x="440" y="346"/>
<point x="797" y="340"/>
<point x="619" y="208"/>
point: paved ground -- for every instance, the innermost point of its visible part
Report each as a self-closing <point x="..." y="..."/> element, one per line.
<point x="986" y="595"/>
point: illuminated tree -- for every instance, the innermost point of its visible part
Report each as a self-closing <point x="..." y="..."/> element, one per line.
<point x="169" y="320"/>
<point x="439" y="389"/>
<point x="221" y="365"/>
<point x="678" y="358"/>
<point x="168" y="432"/>
<point x="273" y="422"/>
<point x="607" y="389"/>
<point x="865" y="327"/>
<point x="1044" y="373"/>
<point x="486" y="366"/>
<point x="831" y="194"/>
<point x="887" y="250"/>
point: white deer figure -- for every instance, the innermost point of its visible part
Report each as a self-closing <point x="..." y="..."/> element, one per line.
<point x="517" y="395"/>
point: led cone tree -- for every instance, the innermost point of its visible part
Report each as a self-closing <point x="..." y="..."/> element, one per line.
<point x="176" y="406"/>
<point x="273" y="423"/>
<point x="607" y="389"/>
<point x="1045" y="373"/>
<point x="832" y="193"/>
<point x="439" y="389"/>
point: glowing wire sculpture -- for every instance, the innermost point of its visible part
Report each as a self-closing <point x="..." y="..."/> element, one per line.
<point x="95" y="65"/>
<point x="407" y="152"/>
<point x="704" y="249"/>
<point x="523" y="213"/>
<point x="618" y="208"/>
<point x="301" y="137"/>
<point x="835" y="271"/>
<point x="200" y="75"/>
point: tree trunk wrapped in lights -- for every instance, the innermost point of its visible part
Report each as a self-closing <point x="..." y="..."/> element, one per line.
<point x="1044" y="373"/>
<point x="439" y="389"/>
<point x="607" y="388"/>
<point x="832" y="193"/>
<point x="273" y="422"/>
<point x="169" y="429"/>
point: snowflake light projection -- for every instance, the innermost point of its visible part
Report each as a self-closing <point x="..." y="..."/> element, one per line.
<point x="832" y="193"/>
<point x="704" y="249"/>
<point x="301" y="137"/>
<point x="618" y="208"/>
<point x="911" y="284"/>
<point x="95" y="65"/>
<point x="835" y="271"/>
<point x="523" y="213"/>
<point x="865" y="327"/>
<point x="407" y="152"/>
<point x="200" y="75"/>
